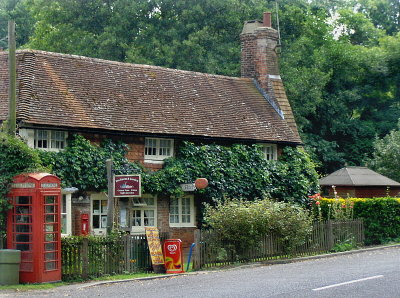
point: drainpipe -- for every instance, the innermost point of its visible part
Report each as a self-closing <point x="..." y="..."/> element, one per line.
<point x="12" y="79"/>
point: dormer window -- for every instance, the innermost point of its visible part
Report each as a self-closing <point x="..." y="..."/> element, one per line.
<point x="158" y="149"/>
<point x="270" y="151"/>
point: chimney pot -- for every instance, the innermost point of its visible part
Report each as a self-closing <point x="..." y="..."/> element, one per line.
<point x="267" y="19"/>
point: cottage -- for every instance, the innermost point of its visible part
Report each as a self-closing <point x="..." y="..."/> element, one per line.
<point x="152" y="109"/>
<point x="359" y="182"/>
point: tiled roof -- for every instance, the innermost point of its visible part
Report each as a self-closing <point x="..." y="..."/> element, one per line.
<point x="357" y="176"/>
<point x="72" y="91"/>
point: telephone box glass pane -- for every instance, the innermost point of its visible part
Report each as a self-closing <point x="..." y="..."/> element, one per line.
<point x="51" y="228"/>
<point x="50" y="199"/>
<point x="50" y="256"/>
<point x="50" y="209"/>
<point x="51" y="218"/>
<point x="50" y="237"/>
<point x="23" y="228"/>
<point x="23" y="238"/>
<point x="50" y="246"/>
<point x="22" y="218"/>
<point x="51" y="265"/>
<point x="23" y="200"/>
<point x="23" y="246"/>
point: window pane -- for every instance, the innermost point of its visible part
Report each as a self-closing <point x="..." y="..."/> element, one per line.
<point x="150" y="147"/>
<point x="64" y="223"/>
<point x="42" y="138"/>
<point x="96" y="221"/>
<point x="137" y="219"/>
<point x="186" y="210"/>
<point x="174" y="211"/>
<point x="165" y="146"/>
<point x="64" y="204"/>
<point x="148" y="217"/>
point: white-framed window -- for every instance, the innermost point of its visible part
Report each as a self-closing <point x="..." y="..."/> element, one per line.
<point x="270" y="151"/>
<point x="182" y="211"/>
<point x="158" y="149"/>
<point x="52" y="140"/>
<point x="98" y="207"/>
<point x="66" y="214"/>
<point x="144" y="213"/>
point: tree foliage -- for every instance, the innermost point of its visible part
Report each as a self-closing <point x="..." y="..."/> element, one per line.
<point x="386" y="156"/>
<point x="339" y="59"/>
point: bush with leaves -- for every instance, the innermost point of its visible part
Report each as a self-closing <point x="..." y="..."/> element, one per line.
<point x="15" y="158"/>
<point x="241" y="224"/>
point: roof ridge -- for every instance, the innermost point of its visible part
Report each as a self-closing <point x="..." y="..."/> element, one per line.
<point x="351" y="179"/>
<point x="104" y="61"/>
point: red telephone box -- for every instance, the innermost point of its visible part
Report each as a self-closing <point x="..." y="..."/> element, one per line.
<point x="33" y="226"/>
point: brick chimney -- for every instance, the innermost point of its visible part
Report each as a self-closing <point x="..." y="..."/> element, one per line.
<point x="259" y="59"/>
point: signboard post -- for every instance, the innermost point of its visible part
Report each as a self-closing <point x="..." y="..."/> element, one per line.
<point x="153" y="240"/>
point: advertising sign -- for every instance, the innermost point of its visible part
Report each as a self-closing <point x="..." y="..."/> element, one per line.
<point x="173" y="256"/>
<point x="127" y="186"/>
<point x="153" y="240"/>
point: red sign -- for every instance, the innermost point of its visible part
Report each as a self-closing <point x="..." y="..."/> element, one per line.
<point x="173" y="256"/>
<point x="127" y="186"/>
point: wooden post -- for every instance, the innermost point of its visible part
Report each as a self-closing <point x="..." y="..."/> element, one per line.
<point x="110" y="202"/>
<point x="85" y="258"/>
<point x="329" y="232"/>
<point x="12" y="79"/>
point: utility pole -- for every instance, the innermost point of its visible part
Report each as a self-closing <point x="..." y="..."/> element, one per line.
<point x="12" y="94"/>
<point x="110" y="202"/>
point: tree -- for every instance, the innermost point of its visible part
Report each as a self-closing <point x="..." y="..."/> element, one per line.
<point x="386" y="156"/>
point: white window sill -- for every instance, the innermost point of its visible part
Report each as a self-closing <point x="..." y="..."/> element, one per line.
<point x="182" y="225"/>
<point x="154" y="161"/>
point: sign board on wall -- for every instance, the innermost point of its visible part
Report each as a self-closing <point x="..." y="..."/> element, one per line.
<point x="127" y="186"/>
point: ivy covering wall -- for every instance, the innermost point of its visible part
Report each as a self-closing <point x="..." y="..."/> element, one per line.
<point x="238" y="171"/>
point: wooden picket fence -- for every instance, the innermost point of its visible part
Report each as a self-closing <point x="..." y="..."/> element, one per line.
<point x="84" y="257"/>
<point x="325" y="236"/>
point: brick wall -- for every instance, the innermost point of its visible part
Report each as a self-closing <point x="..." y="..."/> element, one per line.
<point x="77" y="211"/>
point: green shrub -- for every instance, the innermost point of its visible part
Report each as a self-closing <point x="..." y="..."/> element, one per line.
<point x="241" y="224"/>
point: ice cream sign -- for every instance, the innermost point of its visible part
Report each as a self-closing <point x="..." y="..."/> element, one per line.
<point x="127" y="186"/>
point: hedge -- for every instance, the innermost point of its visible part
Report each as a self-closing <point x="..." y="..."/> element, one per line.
<point x="381" y="215"/>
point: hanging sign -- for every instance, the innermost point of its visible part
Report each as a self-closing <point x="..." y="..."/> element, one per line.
<point x="127" y="186"/>
<point x="153" y="240"/>
<point x="188" y="187"/>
